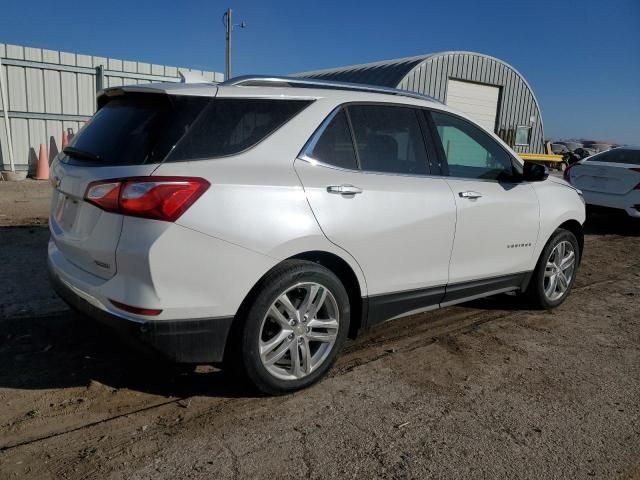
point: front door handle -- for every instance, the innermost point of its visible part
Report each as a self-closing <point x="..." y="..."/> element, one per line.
<point x="470" y="195"/>
<point x="344" y="189"/>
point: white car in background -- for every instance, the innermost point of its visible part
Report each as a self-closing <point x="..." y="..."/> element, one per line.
<point x="609" y="179"/>
<point x="260" y="221"/>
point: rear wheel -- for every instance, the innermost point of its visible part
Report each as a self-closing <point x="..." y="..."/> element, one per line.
<point x="294" y="328"/>
<point x="556" y="270"/>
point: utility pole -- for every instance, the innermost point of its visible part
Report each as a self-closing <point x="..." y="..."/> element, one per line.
<point x="227" y="19"/>
<point x="229" y="27"/>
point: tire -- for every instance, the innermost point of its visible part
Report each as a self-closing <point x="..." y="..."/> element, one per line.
<point x="266" y="335"/>
<point x="541" y="282"/>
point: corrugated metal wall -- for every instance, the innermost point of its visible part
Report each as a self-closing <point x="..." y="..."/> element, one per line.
<point x="517" y="103"/>
<point x="429" y="74"/>
<point x="49" y="91"/>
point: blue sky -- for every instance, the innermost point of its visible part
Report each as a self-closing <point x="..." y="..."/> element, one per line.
<point x="582" y="58"/>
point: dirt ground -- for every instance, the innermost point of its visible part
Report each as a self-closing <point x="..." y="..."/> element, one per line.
<point x="484" y="390"/>
<point x="24" y="203"/>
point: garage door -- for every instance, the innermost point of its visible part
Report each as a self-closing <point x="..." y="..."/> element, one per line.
<point x="478" y="101"/>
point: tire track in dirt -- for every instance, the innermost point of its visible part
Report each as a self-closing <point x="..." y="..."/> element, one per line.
<point x="404" y="335"/>
<point x="122" y="443"/>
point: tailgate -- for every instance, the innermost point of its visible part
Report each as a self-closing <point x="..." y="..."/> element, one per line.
<point x="130" y="134"/>
<point x="86" y="235"/>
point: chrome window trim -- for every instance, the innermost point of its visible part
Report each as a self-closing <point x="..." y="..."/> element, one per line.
<point x="305" y="153"/>
<point x="488" y="180"/>
<point x="312" y="142"/>
<point x="319" y="163"/>
<point x="314" y="162"/>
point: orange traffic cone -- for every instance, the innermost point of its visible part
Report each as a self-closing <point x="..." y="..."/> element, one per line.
<point x="65" y="138"/>
<point x="42" y="170"/>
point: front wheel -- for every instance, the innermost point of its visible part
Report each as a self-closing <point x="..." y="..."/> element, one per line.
<point x="295" y="327"/>
<point x="555" y="273"/>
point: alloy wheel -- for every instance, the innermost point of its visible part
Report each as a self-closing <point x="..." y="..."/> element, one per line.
<point x="559" y="270"/>
<point x="299" y="331"/>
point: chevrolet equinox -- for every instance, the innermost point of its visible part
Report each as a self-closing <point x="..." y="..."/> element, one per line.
<point x="259" y="222"/>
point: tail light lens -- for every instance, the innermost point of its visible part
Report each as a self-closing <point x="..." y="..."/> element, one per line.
<point x="157" y="198"/>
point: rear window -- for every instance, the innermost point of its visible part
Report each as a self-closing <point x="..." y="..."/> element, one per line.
<point x="136" y="129"/>
<point x="229" y="126"/>
<point x="618" y="155"/>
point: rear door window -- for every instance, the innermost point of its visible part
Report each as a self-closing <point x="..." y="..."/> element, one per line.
<point x="389" y="139"/>
<point x="334" y="146"/>
<point x="229" y="126"/>
<point x="135" y="129"/>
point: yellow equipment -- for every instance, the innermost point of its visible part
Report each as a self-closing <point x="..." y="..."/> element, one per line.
<point x="540" y="157"/>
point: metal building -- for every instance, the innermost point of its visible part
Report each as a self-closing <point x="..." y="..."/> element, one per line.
<point x="48" y="91"/>
<point x="487" y="89"/>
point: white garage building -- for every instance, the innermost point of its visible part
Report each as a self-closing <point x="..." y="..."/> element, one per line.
<point x="487" y="89"/>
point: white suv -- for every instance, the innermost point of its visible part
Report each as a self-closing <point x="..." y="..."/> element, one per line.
<point x="259" y="222"/>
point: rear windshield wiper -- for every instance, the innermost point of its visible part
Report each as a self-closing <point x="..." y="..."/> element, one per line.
<point x="81" y="154"/>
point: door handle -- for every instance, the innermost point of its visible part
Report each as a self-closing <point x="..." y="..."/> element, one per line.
<point x="470" y="195"/>
<point x="344" y="189"/>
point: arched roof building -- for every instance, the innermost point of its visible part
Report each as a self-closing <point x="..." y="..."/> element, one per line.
<point x="487" y="89"/>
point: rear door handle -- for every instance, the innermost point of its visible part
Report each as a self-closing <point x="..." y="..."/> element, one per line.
<point x="344" y="189"/>
<point x="470" y="195"/>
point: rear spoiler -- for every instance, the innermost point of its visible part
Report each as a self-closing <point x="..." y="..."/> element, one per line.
<point x="208" y="89"/>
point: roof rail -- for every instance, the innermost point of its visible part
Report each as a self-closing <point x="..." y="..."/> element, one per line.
<point x="270" y="81"/>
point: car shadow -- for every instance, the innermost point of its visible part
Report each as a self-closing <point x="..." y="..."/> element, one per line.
<point x="611" y="222"/>
<point x="503" y="301"/>
<point x="69" y="350"/>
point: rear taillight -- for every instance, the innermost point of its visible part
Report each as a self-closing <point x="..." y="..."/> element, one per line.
<point x="157" y="198"/>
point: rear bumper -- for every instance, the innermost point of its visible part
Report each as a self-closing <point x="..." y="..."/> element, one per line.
<point x="201" y="340"/>
<point x="629" y="202"/>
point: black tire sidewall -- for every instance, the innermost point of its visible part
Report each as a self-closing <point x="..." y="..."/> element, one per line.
<point x="274" y="284"/>
<point x="538" y="279"/>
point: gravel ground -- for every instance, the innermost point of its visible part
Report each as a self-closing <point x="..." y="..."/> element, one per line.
<point x="484" y="390"/>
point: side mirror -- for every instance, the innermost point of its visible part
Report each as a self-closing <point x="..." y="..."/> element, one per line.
<point x="534" y="172"/>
